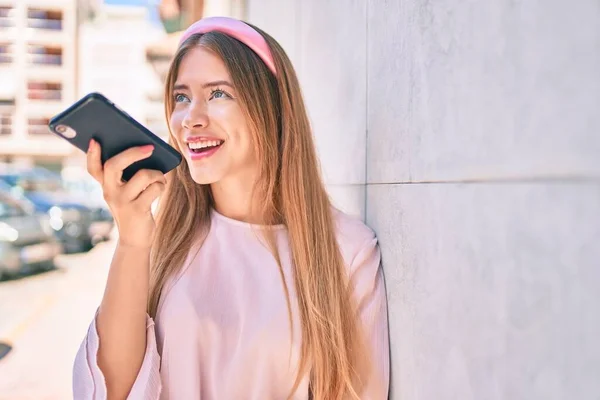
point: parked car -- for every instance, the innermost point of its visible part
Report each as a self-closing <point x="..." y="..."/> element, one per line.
<point x="83" y="189"/>
<point x="26" y="243"/>
<point x="75" y="223"/>
<point x="82" y="186"/>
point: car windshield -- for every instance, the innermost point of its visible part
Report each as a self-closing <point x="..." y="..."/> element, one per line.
<point x="11" y="180"/>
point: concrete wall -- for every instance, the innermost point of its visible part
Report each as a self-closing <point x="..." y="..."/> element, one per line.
<point x="467" y="134"/>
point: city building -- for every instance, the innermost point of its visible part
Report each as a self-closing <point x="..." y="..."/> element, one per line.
<point x="176" y="16"/>
<point x="38" y="75"/>
<point x="52" y="53"/>
<point x="112" y="61"/>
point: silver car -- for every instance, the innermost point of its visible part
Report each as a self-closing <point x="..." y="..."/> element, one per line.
<point x="26" y="243"/>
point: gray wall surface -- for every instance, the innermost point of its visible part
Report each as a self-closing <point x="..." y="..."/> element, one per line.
<point x="467" y="134"/>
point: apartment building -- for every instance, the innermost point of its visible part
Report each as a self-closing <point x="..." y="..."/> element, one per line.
<point x="112" y="61"/>
<point x="38" y="75"/>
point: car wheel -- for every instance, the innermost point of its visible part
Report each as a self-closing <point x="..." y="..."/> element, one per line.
<point x="87" y="245"/>
<point x="47" y="266"/>
<point x="9" y="275"/>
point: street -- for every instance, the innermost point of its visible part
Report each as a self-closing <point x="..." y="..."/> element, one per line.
<point x="44" y="318"/>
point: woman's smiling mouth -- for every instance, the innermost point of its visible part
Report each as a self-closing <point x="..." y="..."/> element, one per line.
<point x="203" y="147"/>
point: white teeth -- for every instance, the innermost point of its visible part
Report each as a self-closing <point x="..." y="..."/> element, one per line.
<point x="204" y="143"/>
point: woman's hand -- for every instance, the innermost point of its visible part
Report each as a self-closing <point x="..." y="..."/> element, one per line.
<point x="130" y="202"/>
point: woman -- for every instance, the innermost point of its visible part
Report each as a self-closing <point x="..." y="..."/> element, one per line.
<point x="249" y="285"/>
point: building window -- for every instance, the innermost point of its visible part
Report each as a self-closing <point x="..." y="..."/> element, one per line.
<point x="44" y="54"/>
<point x="6" y="121"/>
<point x="44" y="19"/>
<point x="38" y="126"/>
<point x="6" y="50"/>
<point x="7" y="17"/>
<point x="44" y="91"/>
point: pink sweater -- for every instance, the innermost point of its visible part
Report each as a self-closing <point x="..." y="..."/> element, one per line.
<point x="222" y="329"/>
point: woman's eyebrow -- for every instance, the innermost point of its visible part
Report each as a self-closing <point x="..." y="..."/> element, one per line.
<point x="217" y="83"/>
<point x="206" y="85"/>
<point x="180" y="87"/>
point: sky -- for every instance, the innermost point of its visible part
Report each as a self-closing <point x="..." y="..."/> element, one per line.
<point x="151" y="4"/>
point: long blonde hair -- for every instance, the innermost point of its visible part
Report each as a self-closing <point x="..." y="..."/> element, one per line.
<point x="291" y="192"/>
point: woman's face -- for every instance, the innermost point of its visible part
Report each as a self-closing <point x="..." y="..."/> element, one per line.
<point x="208" y="123"/>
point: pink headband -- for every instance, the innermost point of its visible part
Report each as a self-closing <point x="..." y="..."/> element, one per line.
<point x="236" y="29"/>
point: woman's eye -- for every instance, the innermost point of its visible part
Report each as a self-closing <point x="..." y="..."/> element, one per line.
<point x="180" y="98"/>
<point x="218" y="94"/>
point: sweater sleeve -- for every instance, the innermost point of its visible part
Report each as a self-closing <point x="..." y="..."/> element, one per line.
<point x="88" y="380"/>
<point x="369" y="291"/>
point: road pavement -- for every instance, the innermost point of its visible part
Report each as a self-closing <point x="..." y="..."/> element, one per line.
<point x="44" y="318"/>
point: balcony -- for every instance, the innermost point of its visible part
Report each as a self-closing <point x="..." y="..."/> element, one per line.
<point x="6" y="123"/>
<point x="50" y="20"/>
<point x="38" y="126"/>
<point x="44" y="55"/>
<point x="44" y="91"/>
<point x="7" y="17"/>
<point x="6" y="53"/>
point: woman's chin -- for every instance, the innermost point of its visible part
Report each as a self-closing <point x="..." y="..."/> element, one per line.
<point x="203" y="178"/>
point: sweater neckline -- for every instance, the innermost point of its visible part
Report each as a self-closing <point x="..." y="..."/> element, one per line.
<point x="216" y="215"/>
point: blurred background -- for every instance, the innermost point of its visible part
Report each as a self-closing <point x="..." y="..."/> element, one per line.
<point x="466" y="134"/>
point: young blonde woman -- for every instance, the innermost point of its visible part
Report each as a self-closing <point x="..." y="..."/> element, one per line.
<point x="248" y="284"/>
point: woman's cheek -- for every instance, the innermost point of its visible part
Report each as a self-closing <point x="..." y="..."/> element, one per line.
<point x="223" y="110"/>
<point x="175" y="122"/>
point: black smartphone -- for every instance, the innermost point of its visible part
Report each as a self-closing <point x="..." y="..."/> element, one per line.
<point x="96" y="117"/>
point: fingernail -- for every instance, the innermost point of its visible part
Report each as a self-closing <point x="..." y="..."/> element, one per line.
<point x="91" y="145"/>
<point x="147" y="148"/>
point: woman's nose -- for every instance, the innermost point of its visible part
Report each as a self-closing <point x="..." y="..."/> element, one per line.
<point x="196" y="116"/>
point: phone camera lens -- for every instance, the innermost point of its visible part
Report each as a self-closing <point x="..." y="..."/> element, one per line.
<point x="65" y="131"/>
